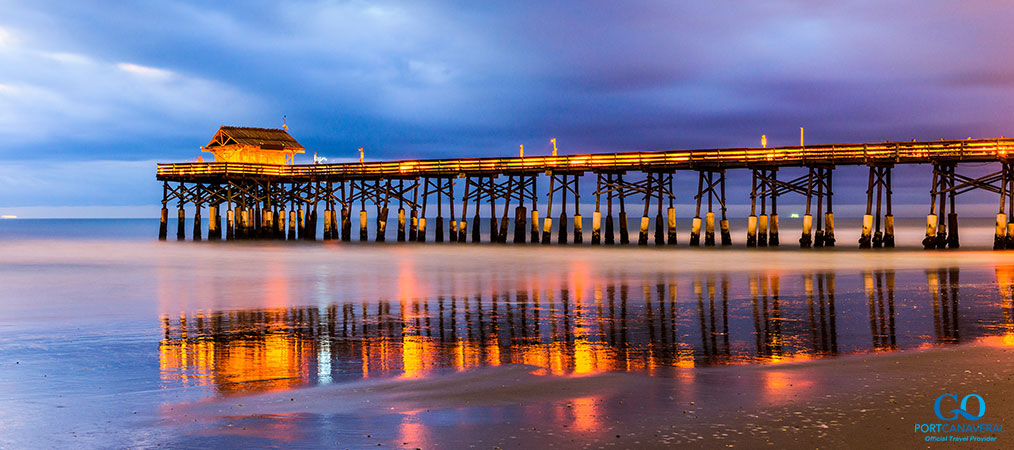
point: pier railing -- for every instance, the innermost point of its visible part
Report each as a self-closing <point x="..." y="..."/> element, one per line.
<point x="972" y="150"/>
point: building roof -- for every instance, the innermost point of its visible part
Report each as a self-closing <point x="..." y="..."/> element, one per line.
<point x="265" y="138"/>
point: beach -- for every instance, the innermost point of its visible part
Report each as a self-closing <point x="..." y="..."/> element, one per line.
<point x="306" y="345"/>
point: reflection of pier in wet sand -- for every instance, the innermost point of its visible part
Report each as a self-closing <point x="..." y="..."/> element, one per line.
<point x="644" y="326"/>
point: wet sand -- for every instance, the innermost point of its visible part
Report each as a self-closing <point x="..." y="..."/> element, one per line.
<point x="865" y="401"/>
<point x="326" y="345"/>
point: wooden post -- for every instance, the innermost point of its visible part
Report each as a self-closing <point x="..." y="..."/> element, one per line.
<point x="328" y="223"/>
<point x="163" y="223"/>
<point x="866" y="237"/>
<point x="421" y="232"/>
<point x="364" y="235"/>
<point x="1010" y="204"/>
<point x="280" y="223"/>
<point x="578" y="230"/>
<point x="463" y="224"/>
<point x="561" y="232"/>
<point x="818" y="240"/>
<point x="624" y="234"/>
<point x="547" y="227"/>
<point x="751" y="221"/>
<point x="807" y="239"/>
<point x="671" y="212"/>
<point x="382" y="211"/>
<point x="829" y="239"/>
<point x="610" y="235"/>
<point x="440" y="211"/>
<point x="1000" y="236"/>
<point x="213" y="222"/>
<point x="401" y="211"/>
<point x="494" y="223"/>
<point x="346" y="232"/>
<point x="520" y="223"/>
<point x="597" y="215"/>
<point x="218" y="223"/>
<point x="312" y="222"/>
<point x="535" y="210"/>
<point x="709" y="217"/>
<point x="504" y="220"/>
<point x="197" y="221"/>
<point x="642" y="235"/>
<point x="521" y="213"/>
<point x="413" y="223"/>
<point x="300" y="222"/>
<point x="723" y="225"/>
<point x="180" y="224"/>
<point x="773" y="234"/>
<point x="660" y="223"/>
<point x="452" y="230"/>
<point x="952" y="217"/>
<point x="766" y="189"/>
<point x="695" y="226"/>
<point x="230" y="224"/>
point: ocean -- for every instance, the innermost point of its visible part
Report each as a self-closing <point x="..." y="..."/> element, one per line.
<point x="112" y="339"/>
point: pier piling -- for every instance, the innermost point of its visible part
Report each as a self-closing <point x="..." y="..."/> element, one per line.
<point x="163" y="224"/>
<point x="265" y="201"/>
<point x="181" y="217"/>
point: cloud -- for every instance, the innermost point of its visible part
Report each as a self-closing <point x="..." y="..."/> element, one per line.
<point x="6" y="37"/>
<point x="52" y="96"/>
<point x="145" y="71"/>
<point x="153" y="80"/>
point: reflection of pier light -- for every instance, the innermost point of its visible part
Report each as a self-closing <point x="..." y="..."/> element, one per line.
<point x="882" y="320"/>
<point x="943" y="287"/>
<point x="712" y="326"/>
<point x="559" y="330"/>
<point x="1005" y="283"/>
<point x="766" y="296"/>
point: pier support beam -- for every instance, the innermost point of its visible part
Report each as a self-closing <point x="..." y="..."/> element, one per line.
<point x="181" y="217"/>
<point x="230" y="225"/>
<point x="1003" y="238"/>
<point x="819" y="184"/>
<point x="463" y="223"/>
<point x="878" y="191"/>
<point x="565" y="183"/>
<point x="942" y="223"/>
<point x="163" y="223"/>
<point x="213" y="223"/>
<point x="714" y="188"/>
<point x="943" y="189"/>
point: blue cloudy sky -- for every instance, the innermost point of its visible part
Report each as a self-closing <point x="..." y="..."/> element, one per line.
<point x="92" y="93"/>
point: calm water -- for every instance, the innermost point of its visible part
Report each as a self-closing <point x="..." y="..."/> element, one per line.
<point x="105" y="334"/>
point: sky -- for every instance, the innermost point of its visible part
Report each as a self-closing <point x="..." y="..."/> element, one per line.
<point x="94" y="93"/>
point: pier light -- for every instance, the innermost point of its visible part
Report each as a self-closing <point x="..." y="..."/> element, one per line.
<point x="253" y="145"/>
<point x="553" y="140"/>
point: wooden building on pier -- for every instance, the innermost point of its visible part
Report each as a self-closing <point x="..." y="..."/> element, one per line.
<point x="253" y="145"/>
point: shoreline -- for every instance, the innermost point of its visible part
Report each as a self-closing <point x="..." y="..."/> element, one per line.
<point x="847" y="402"/>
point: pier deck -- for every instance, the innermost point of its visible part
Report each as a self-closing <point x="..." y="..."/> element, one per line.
<point x="260" y="197"/>
<point x="920" y="152"/>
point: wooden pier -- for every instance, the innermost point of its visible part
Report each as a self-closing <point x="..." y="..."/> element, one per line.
<point x="273" y="199"/>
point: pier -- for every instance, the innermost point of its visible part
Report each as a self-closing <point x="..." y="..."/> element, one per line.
<point x="263" y="196"/>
